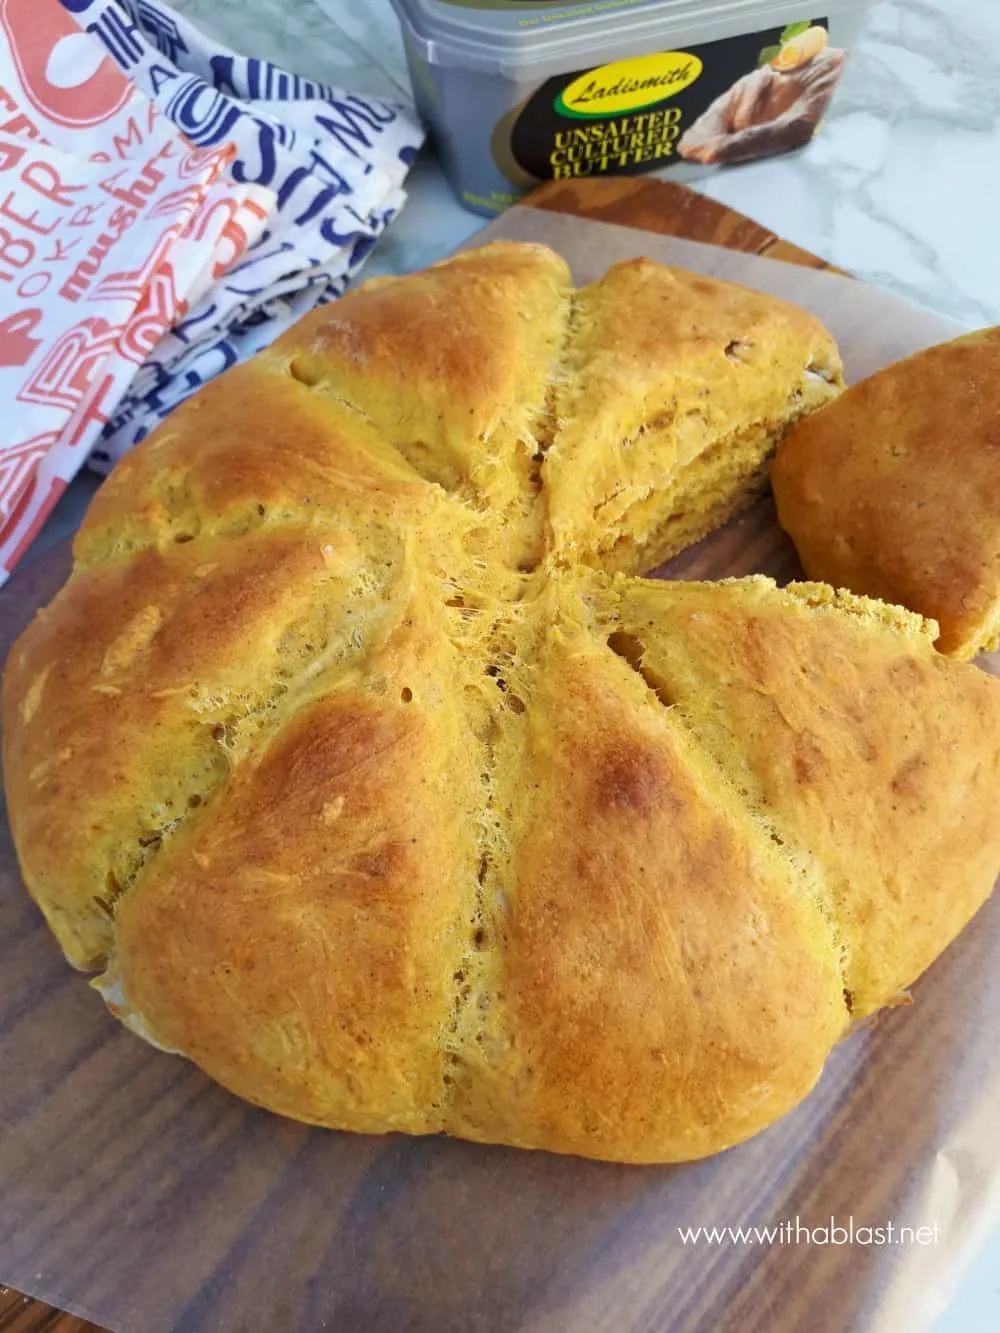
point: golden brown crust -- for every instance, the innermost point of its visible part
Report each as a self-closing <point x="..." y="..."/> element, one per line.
<point x="129" y="695"/>
<point x="841" y="728"/>
<point x="299" y="938"/>
<point x="388" y="832"/>
<point x="894" y="491"/>
<point x="666" y="991"/>
<point x="475" y="343"/>
<point x="253" y="446"/>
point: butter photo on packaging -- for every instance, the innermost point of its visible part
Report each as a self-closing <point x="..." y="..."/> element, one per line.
<point x="518" y="92"/>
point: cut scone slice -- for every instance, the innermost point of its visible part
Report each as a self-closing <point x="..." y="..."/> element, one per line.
<point x="872" y="759"/>
<point x="663" y="989"/>
<point x="299" y="937"/>
<point x="453" y="367"/>
<point x="894" y="491"/>
<point x="674" y="391"/>
<point x="129" y="700"/>
<point x="253" y="450"/>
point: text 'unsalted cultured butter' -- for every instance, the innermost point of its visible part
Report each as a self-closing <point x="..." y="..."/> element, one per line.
<point x="518" y="92"/>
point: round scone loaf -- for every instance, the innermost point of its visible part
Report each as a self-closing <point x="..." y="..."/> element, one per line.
<point x="361" y="767"/>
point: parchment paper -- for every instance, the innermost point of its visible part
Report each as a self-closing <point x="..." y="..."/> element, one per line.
<point x="137" y="1193"/>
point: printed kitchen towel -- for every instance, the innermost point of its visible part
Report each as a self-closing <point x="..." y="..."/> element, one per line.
<point x="336" y="162"/>
<point x="112" y="224"/>
<point x="166" y="207"/>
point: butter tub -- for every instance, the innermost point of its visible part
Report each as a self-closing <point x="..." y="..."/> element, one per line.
<point x="517" y="92"/>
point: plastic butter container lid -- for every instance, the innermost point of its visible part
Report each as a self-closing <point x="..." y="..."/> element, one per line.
<point x="517" y="92"/>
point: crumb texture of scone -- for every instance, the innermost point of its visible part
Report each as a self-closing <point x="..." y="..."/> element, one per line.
<point x="894" y="490"/>
<point x="361" y="767"/>
<point x="673" y="395"/>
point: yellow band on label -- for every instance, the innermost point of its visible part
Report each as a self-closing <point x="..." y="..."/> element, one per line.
<point x="629" y="85"/>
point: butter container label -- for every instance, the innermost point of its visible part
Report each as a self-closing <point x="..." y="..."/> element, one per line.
<point x="722" y="102"/>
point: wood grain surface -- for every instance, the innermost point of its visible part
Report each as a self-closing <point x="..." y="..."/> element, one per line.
<point x="671" y="210"/>
<point x="278" y="1227"/>
<point x="20" y="1314"/>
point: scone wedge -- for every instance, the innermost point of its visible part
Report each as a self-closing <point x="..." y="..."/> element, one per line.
<point x="894" y="491"/>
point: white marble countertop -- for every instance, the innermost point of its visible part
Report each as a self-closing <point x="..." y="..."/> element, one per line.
<point x="901" y="187"/>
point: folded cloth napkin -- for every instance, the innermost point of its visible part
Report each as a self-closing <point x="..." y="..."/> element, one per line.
<point x="163" y="213"/>
<point x="336" y="162"/>
<point x="111" y="224"/>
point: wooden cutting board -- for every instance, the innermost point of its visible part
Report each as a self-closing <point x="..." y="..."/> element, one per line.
<point x="671" y="210"/>
<point x="401" y="1219"/>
